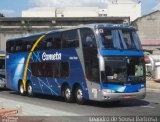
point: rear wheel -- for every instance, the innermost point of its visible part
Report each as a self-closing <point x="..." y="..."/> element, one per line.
<point x="21" y="89"/>
<point x="79" y="96"/>
<point x="30" y="89"/>
<point x="68" y="95"/>
<point x="117" y="102"/>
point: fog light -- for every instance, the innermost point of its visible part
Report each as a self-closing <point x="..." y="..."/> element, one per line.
<point x="107" y="98"/>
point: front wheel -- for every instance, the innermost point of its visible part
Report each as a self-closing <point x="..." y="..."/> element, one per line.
<point x="79" y="96"/>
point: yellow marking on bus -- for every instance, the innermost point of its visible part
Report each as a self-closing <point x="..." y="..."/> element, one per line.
<point x="2" y="54"/>
<point x="28" y="59"/>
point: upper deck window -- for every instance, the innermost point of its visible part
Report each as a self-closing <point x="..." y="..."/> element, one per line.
<point x="88" y="38"/>
<point x="53" y="41"/>
<point x="120" y="39"/>
<point x="70" y="39"/>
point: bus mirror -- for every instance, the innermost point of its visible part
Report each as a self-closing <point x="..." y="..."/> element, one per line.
<point x="101" y="63"/>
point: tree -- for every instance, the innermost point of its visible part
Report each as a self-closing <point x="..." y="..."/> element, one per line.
<point x="1" y="15"/>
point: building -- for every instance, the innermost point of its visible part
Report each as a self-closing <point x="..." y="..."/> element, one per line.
<point x="124" y="8"/>
<point x="148" y="28"/>
<point x="1" y="15"/>
<point x="115" y="8"/>
<point x="78" y="12"/>
<point x="61" y="12"/>
<point x="39" y="12"/>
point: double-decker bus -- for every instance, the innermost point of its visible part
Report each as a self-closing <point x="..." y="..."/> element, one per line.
<point x="100" y="62"/>
<point x="2" y="69"/>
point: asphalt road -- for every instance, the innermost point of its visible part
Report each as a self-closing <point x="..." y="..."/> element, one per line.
<point x="150" y="106"/>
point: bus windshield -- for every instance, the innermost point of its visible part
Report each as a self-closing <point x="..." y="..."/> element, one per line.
<point x="123" y="70"/>
<point x="120" y="39"/>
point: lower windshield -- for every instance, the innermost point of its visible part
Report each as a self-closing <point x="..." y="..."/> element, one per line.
<point x="115" y="70"/>
<point x="135" y="69"/>
<point x="124" y="70"/>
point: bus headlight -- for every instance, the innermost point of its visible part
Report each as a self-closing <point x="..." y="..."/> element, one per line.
<point x="106" y="91"/>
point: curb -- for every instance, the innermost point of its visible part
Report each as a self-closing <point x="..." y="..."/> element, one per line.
<point x="10" y="111"/>
<point x="153" y="90"/>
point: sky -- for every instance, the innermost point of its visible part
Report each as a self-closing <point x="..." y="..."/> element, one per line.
<point x="13" y="8"/>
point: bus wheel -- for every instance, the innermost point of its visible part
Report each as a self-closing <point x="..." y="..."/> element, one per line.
<point x="21" y="89"/>
<point x="29" y="89"/>
<point x="68" y="95"/>
<point x="79" y="96"/>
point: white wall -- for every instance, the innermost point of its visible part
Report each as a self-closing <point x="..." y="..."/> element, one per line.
<point x="80" y="12"/>
<point x="119" y="8"/>
<point x="39" y="12"/>
<point x="103" y="12"/>
<point x="126" y="8"/>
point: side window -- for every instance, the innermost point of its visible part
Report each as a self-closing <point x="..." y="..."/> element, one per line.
<point x="54" y="69"/>
<point x="27" y="45"/>
<point x="88" y="38"/>
<point x="18" y="45"/>
<point x="64" y="69"/>
<point x="92" y="70"/>
<point x="41" y="45"/>
<point x="10" y="47"/>
<point x="70" y="39"/>
<point x="50" y="69"/>
<point x="53" y="41"/>
<point x="41" y="69"/>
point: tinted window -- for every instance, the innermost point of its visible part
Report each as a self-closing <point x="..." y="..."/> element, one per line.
<point x="64" y="69"/>
<point x="18" y="45"/>
<point x="27" y="45"/>
<point x="107" y="39"/>
<point x="53" y="41"/>
<point x="128" y="38"/>
<point x="10" y="47"/>
<point x="41" y="45"/>
<point x="2" y="67"/>
<point x="92" y="70"/>
<point x="70" y="39"/>
<point x="88" y="38"/>
<point x="2" y="64"/>
<point x="50" y="69"/>
<point x="119" y="39"/>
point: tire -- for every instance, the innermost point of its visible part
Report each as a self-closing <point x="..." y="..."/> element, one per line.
<point x="79" y="96"/>
<point x="30" y="89"/>
<point x="68" y="95"/>
<point x="21" y="89"/>
<point x="117" y="102"/>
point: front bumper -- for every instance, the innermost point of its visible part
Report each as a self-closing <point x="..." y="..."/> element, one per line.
<point x="123" y="96"/>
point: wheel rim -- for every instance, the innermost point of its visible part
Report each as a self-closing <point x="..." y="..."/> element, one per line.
<point x="68" y="93"/>
<point x="29" y="89"/>
<point x="21" y="89"/>
<point x="79" y="94"/>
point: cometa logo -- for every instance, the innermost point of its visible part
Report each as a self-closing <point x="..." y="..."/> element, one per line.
<point x="47" y="57"/>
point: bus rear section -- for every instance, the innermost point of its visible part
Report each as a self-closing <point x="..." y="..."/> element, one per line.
<point x="2" y="70"/>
